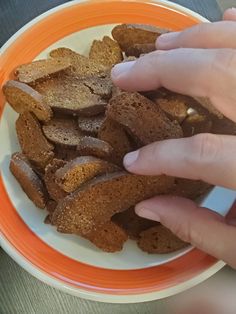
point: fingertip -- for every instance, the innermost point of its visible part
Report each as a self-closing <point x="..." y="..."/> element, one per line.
<point x="130" y="159"/>
<point x="230" y="15"/>
<point x="167" y="40"/>
<point x="121" y="69"/>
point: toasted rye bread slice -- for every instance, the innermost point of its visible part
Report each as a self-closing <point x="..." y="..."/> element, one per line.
<point x="142" y="118"/>
<point x="75" y="96"/>
<point x="195" y="124"/>
<point x="106" y="51"/>
<point x="97" y="201"/>
<point x="132" y="223"/>
<point x="223" y="126"/>
<point x="29" y="73"/>
<point x="81" y="65"/>
<point x="54" y="190"/>
<point x="160" y="240"/>
<point x="191" y="189"/>
<point x="50" y="207"/>
<point x="91" y="125"/>
<point x="127" y="35"/>
<point x="23" y="98"/>
<point x="63" y="131"/>
<point x="174" y="108"/>
<point x="80" y="170"/>
<point x="28" y="180"/>
<point x="112" y="133"/>
<point x="91" y="146"/>
<point x="109" y="237"/>
<point x="140" y="49"/>
<point x="32" y="141"/>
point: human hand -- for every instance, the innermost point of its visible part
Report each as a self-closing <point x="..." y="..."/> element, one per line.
<point x="204" y="66"/>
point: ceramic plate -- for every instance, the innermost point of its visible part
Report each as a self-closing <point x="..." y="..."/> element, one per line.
<point x="68" y="262"/>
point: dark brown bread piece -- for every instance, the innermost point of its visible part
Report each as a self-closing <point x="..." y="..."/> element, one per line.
<point x="81" y="66"/>
<point x="32" y="141"/>
<point x="112" y="133"/>
<point x="91" y="125"/>
<point x="63" y="131"/>
<point x="23" y="98"/>
<point x="54" y="190"/>
<point x="140" y="49"/>
<point x="65" y="153"/>
<point x="207" y="104"/>
<point x="109" y="237"/>
<point x="223" y="126"/>
<point x="97" y="201"/>
<point x="159" y="240"/>
<point x="191" y="189"/>
<point x="142" y="118"/>
<point x="74" y="96"/>
<point x="80" y="170"/>
<point x="195" y="124"/>
<point x="175" y="109"/>
<point x="106" y="52"/>
<point x="132" y="223"/>
<point x="91" y="146"/>
<point x="128" y="35"/>
<point x="41" y="69"/>
<point x="28" y="180"/>
<point x="50" y="207"/>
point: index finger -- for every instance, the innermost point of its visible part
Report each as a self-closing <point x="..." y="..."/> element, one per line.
<point x="194" y="72"/>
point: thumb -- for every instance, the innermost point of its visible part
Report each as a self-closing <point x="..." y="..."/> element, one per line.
<point x="199" y="226"/>
<point x="230" y="15"/>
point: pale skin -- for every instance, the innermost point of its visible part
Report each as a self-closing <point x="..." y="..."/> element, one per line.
<point x="204" y="66"/>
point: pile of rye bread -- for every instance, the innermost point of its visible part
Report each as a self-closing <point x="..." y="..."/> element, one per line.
<point x="74" y="128"/>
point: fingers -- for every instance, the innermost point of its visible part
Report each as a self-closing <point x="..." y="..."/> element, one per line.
<point x="201" y="227"/>
<point x="230" y="15"/>
<point x="196" y="72"/>
<point x="206" y="157"/>
<point x="204" y="35"/>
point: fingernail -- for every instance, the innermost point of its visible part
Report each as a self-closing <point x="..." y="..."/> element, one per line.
<point x="147" y="213"/>
<point x="130" y="158"/>
<point x="166" y="39"/>
<point x="121" y="69"/>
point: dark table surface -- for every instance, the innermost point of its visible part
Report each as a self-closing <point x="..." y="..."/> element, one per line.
<point x="20" y="293"/>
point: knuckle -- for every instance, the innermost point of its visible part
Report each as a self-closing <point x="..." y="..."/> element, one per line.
<point x="205" y="147"/>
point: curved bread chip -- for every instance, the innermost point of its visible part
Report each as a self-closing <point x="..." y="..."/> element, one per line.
<point x="28" y="179"/>
<point x="139" y="49"/>
<point x="63" y="131"/>
<point x="91" y="125"/>
<point x="97" y="201"/>
<point x="50" y="207"/>
<point x="159" y="240"/>
<point x="191" y="189"/>
<point x="112" y="133"/>
<point x="65" y="153"/>
<point x="223" y="126"/>
<point x="175" y="109"/>
<point x="132" y="223"/>
<point x="109" y="237"/>
<point x="195" y="124"/>
<point x="106" y="51"/>
<point x="130" y="34"/>
<point x="32" y="141"/>
<point x="37" y="70"/>
<point x="54" y="190"/>
<point x="24" y="98"/>
<point x="74" y="96"/>
<point x="90" y="146"/>
<point x="81" y="170"/>
<point x="142" y="118"/>
<point x="81" y="66"/>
